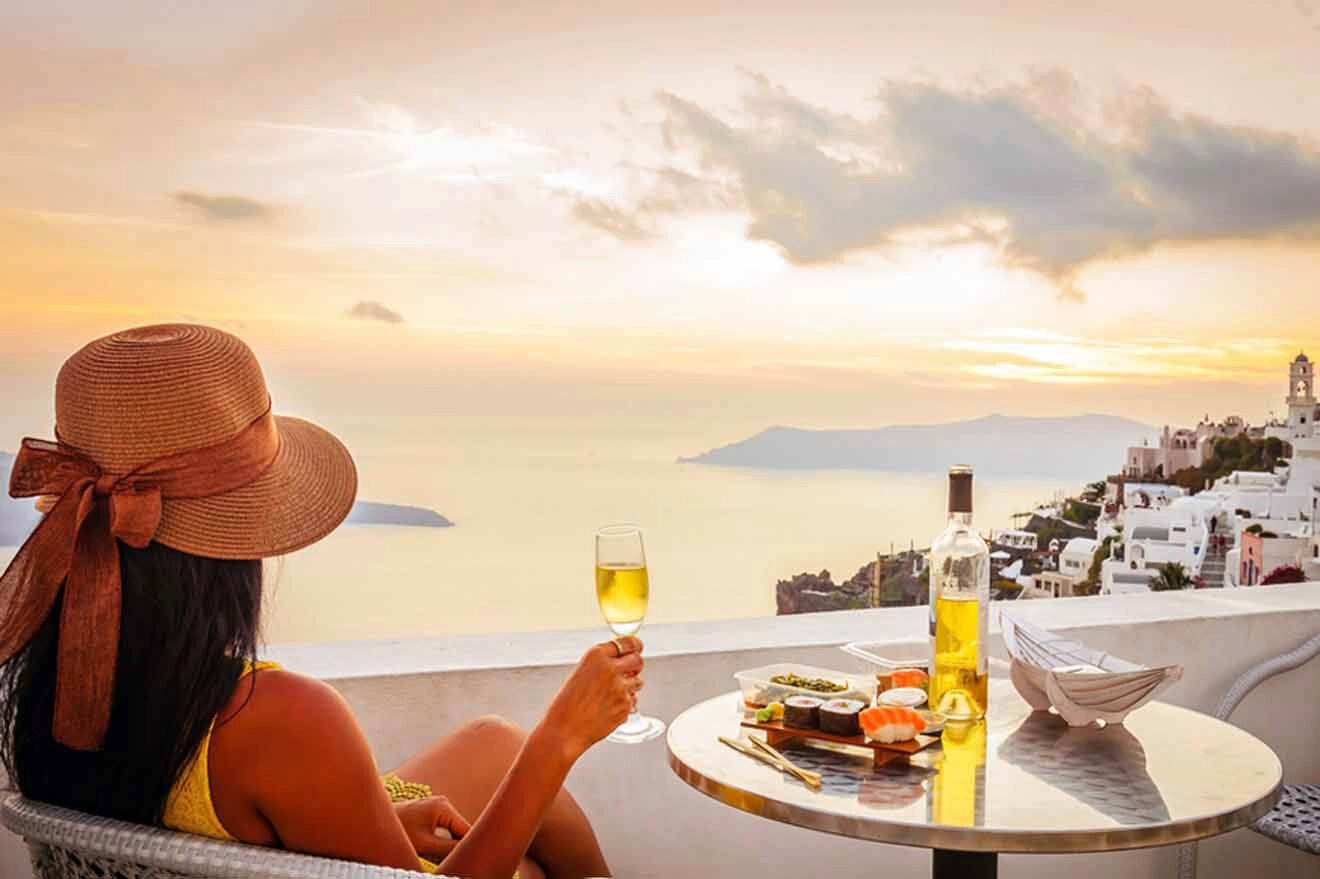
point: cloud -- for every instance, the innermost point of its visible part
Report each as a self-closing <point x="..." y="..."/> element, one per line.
<point x="1310" y="12"/>
<point x="619" y="222"/>
<point x="370" y="310"/>
<point x="656" y="192"/>
<point x="1023" y="166"/>
<point x="224" y="207"/>
<point x="1033" y="355"/>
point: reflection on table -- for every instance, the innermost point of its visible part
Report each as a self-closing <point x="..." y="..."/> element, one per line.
<point x="1104" y="767"/>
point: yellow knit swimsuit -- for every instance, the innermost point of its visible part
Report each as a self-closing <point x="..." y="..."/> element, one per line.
<point x="190" y="809"/>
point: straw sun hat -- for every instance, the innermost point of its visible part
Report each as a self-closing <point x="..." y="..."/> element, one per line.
<point x="162" y="433"/>
<point x="145" y="393"/>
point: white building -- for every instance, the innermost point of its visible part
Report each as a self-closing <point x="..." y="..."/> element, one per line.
<point x="1024" y="540"/>
<point x="1152" y="537"/>
<point x="1177" y="450"/>
<point x="1159" y="524"/>
<point x="1180" y="449"/>
<point x="1303" y="410"/>
<point x="1075" y="560"/>
<point x="1074" y="566"/>
<point x="1150" y="495"/>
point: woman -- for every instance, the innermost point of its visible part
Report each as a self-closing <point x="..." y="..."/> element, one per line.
<point x="129" y="624"/>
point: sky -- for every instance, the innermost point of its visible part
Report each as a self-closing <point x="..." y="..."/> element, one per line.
<point x="828" y="214"/>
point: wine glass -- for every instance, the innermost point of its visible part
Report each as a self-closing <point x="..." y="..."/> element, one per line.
<point x="622" y="590"/>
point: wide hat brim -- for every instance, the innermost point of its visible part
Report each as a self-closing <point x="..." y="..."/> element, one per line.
<point x="307" y="491"/>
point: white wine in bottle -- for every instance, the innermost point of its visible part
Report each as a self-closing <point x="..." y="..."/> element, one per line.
<point x="959" y="609"/>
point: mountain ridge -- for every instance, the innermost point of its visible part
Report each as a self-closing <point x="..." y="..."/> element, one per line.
<point x="1001" y="444"/>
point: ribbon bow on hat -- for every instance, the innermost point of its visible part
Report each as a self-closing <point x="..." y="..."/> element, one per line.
<point x="76" y="546"/>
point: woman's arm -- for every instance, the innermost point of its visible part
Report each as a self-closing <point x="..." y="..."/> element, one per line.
<point x="296" y="755"/>
<point x="294" y="760"/>
<point x="591" y="704"/>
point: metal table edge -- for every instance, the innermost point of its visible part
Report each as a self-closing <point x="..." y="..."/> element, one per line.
<point x="981" y="840"/>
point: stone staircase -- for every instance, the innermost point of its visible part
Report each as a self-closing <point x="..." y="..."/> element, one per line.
<point x="1214" y="567"/>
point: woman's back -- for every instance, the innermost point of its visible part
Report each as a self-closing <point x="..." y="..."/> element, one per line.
<point x="188" y="627"/>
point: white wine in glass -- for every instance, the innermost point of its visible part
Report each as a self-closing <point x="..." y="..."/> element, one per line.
<point x="622" y="591"/>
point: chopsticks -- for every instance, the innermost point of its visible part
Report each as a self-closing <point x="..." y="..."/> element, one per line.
<point x="771" y="757"/>
<point x="810" y="778"/>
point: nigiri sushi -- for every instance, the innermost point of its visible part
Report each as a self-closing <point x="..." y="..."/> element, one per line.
<point x="889" y="724"/>
<point x="908" y="677"/>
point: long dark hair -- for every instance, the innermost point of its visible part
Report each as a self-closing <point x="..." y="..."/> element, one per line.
<point x="187" y="627"/>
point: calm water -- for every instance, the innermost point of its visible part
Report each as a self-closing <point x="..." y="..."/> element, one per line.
<point x="527" y="498"/>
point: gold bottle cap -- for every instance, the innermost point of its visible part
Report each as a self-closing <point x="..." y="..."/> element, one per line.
<point x="960" y="489"/>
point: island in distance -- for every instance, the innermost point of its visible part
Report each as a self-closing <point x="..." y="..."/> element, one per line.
<point x="374" y="513"/>
<point x="18" y="517"/>
<point x="998" y="444"/>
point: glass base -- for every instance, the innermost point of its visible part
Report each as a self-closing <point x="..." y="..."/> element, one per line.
<point x="636" y="729"/>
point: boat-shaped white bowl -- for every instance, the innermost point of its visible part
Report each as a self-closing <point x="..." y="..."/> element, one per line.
<point x="1081" y="683"/>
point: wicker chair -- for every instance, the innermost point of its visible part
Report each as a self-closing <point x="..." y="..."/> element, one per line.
<point x="1295" y="819"/>
<point x="65" y="844"/>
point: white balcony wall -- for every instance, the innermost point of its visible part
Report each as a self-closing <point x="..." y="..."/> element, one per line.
<point x="406" y="693"/>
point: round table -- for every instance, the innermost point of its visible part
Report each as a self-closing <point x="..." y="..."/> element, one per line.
<point x="1018" y="782"/>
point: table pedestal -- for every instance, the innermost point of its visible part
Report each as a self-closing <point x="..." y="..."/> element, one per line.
<point x="964" y="865"/>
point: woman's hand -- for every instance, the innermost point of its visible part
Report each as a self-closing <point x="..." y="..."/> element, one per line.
<point x="433" y="826"/>
<point x="599" y="695"/>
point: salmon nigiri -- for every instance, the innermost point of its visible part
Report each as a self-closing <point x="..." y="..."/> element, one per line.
<point x="909" y="677"/>
<point x="889" y="724"/>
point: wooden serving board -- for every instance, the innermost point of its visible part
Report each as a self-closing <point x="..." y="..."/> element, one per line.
<point x="776" y="734"/>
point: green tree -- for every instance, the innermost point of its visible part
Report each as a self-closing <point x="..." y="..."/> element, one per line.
<point x="1172" y="577"/>
<point x="1091" y="585"/>
<point x="1080" y="512"/>
<point x="1239" y="452"/>
<point x="1094" y="491"/>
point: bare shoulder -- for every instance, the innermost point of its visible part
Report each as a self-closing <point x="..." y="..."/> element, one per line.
<point x="268" y="773"/>
<point x="284" y="698"/>
<point x="280" y="710"/>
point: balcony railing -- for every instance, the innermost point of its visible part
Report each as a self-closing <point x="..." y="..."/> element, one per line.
<point x="406" y="693"/>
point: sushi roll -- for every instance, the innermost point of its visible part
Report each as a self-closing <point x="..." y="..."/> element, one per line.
<point x="839" y="717"/>
<point x="802" y="712"/>
<point x="891" y="724"/>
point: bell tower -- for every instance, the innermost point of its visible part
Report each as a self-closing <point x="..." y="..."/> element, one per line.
<point x="1301" y="397"/>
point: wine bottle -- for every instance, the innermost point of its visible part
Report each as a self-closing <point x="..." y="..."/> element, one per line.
<point x="959" y="609"/>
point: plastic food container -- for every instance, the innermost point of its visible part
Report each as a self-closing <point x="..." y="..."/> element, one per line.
<point x="758" y="690"/>
<point x="882" y="660"/>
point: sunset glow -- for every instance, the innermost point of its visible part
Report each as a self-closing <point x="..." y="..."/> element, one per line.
<point x="987" y="220"/>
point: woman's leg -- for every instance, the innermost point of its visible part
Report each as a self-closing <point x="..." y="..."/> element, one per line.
<point x="468" y="765"/>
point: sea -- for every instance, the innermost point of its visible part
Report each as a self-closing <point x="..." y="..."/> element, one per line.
<point x="527" y="495"/>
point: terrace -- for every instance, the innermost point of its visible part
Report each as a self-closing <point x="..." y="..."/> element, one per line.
<point x="653" y="825"/>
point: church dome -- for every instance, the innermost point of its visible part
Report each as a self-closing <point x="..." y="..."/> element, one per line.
<point x="1302" y="358"/>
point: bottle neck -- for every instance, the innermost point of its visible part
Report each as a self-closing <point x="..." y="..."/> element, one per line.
<point x="960" y="519"/>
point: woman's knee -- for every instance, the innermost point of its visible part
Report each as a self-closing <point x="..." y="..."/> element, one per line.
<point x="493" y="731"/>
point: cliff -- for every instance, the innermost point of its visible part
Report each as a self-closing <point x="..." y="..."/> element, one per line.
<point x="810" y="593"/>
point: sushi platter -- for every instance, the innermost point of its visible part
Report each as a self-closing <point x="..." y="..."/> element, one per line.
<point x="777" y="734"/>
<point x="790" y="703"/>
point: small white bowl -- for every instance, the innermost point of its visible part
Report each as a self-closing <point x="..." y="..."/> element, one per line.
<point x="903" y="697"/>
